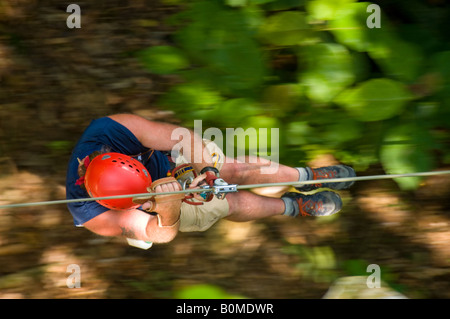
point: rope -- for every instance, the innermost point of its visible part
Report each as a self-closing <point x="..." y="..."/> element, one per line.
<point x="238" y="187"/>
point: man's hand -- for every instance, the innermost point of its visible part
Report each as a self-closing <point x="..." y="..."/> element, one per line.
<point x="205" y="179"/>
<point x="197" y="182"/>
<point x="168" y="187"/>
<point x="200" y="180"/>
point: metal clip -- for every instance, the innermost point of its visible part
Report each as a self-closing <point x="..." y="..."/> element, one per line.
<point x="222" y="190"/>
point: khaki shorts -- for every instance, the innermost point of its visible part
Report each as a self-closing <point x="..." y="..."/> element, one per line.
<point x="201" y="217"/>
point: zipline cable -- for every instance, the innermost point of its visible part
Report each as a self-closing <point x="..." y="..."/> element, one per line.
<point x="238" y="187"/>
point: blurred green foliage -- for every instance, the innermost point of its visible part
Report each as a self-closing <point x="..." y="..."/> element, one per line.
<point x="315" y="70"/>
<point x="204" y="291"/>
<point x="318" y="263"/>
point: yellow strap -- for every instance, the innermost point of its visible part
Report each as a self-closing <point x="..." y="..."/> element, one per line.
<point x="217" y="160"/>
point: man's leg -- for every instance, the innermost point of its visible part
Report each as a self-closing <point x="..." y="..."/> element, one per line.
<point x="246" y="206"/>
<point x="255" y="170"/>
<point x="249" y="171"/>
<point x="266" y="202"/>
<point x="238" y="207"/>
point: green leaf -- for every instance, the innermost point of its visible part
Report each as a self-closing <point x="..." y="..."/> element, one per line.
<point x="259" y="136"/>
<point x="298" y="133"/>
<point x="440" y="64"/>
<point x="325" y="9"/>
<point x="349" y="26"/>
<point x="236" y="3"/>
<point x="264" y="126"/>
<point x="193" y="100"/>
<point x="220" y="41"/>
<point x="238" y="65"/>
<point x="286" y="29"/>
<point x="163" y="59"/>
<point x="282" y="97"/>
<point x="204" y="291"/>
<point x="234" y="111"/>
<point x="356" y="267"/>
<point x="375" y="100"/>
<point x="406" y="149"/>
<point x="396" y="57"/>
<point x="343" y="130"/>
<point x="329" y="70"/>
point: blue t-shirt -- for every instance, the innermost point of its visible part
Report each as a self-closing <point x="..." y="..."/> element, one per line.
<point x="106" y="134"/>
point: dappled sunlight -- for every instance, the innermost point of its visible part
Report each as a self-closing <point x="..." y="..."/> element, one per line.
<point x="15" y="9"/>
<point x="238" y="238"/>
<point x="337" y="90"/>
<point x="56" y="274"/>
<point x="5" y="59"/>
<point x="386" y="207"/>
<point x="434" y="232"/>
<point x="23" y="187"/>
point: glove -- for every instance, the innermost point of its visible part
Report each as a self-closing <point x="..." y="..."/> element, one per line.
<point x="153" y="196"/>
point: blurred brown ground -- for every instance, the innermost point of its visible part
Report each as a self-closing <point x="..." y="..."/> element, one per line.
<point x="55" y="80"/>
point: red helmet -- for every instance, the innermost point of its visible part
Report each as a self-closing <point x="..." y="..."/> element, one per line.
<point x="112" y="174"/>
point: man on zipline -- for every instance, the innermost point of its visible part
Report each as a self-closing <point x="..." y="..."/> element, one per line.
<point x="96" y="168"/>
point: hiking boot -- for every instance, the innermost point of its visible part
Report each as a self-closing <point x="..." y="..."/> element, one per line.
<point x="336" y="171"/>
<point x="324" y="203"/>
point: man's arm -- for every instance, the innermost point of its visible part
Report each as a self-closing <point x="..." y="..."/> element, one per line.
<point x="137" y="224"/>
<point x="134" y="224"/>
<point x="158" y="136"/>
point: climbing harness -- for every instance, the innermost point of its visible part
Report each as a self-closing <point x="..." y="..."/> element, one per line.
<point x="217" y="187"/>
